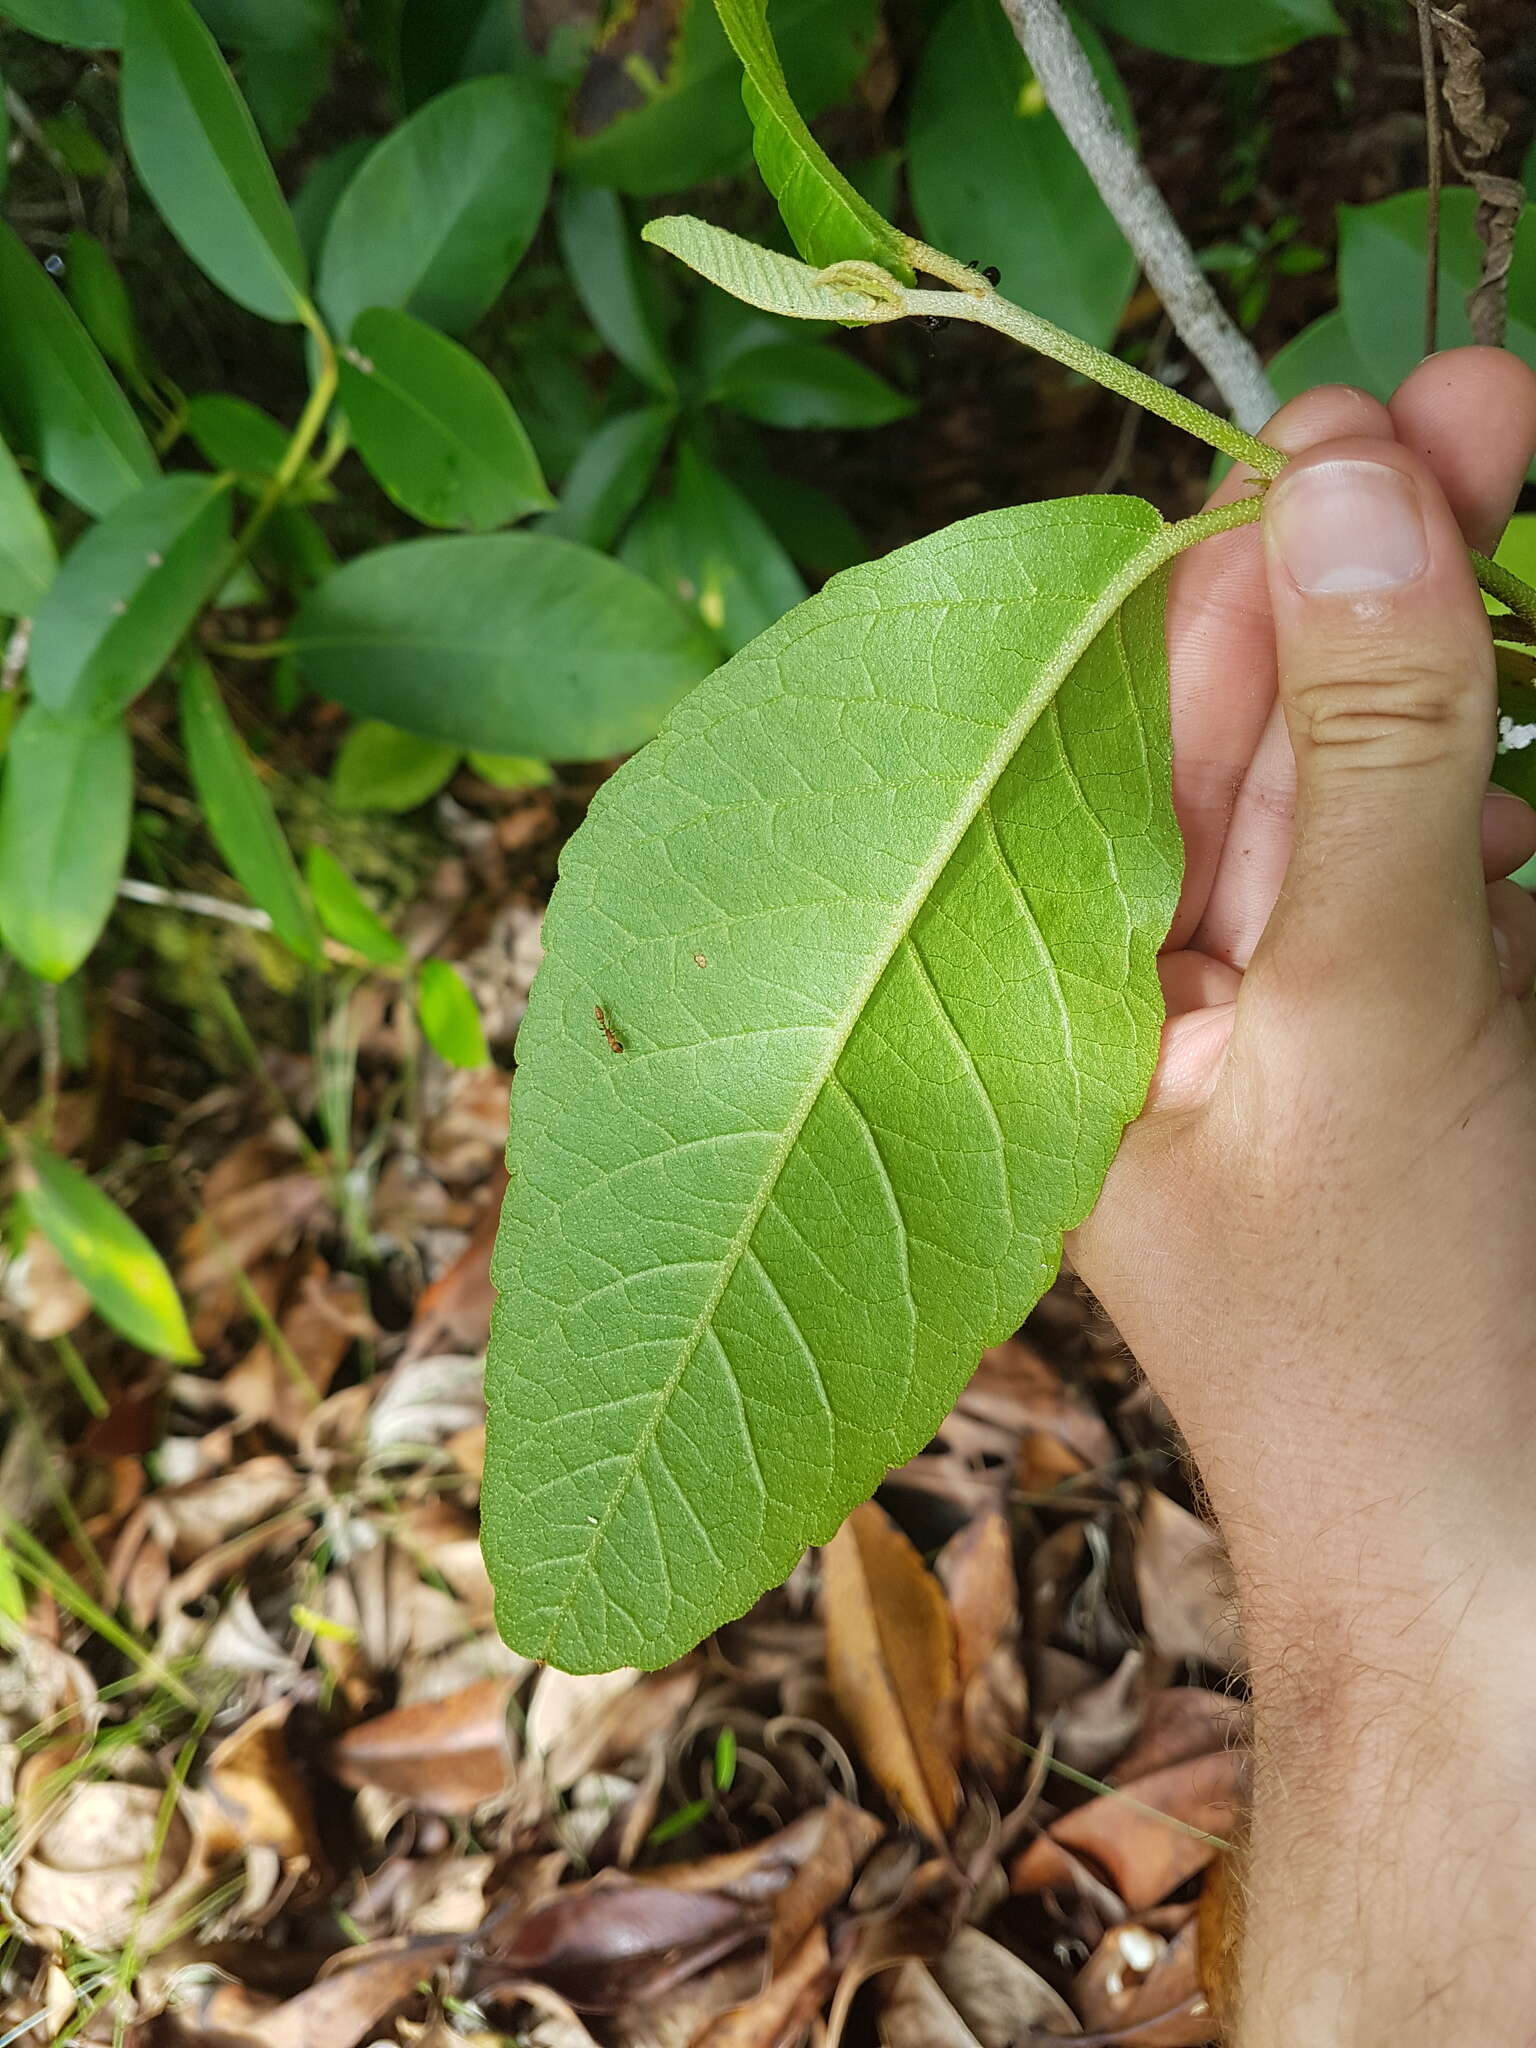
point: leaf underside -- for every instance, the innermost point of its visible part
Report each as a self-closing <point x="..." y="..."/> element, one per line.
<point x="875" y="921"/>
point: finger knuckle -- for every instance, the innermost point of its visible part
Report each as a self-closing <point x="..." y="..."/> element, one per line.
<point x="1410" y="714"/>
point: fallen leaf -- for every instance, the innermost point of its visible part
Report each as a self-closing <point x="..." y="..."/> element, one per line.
<point x="581" y="1724"/>
<point x="845" y="1837"/>
<point x="243" y="1225"/>
<point x="916" y="2014"/>
<point x="1141" y="1987"/>
<point x="425" y="1400"/>
<point x="1127" y="1833"/>
<point x="456" y="1309"/>
<point x="976" y="1570"/>
<point x="191" y="1520"/>
<point x="1095" y="1725"/>
<point x="84" y="1871"/>
<point x="996" y="1993"/>
<point x="891" y="1664"/>
<point x="319" y="1328"/>
<point x="47" y="1297"/>
<point x="260" y="1801"/>
<point x="340" y="2011"/>
<point x="1184" y="1584"/>
<point x="1179" y="1722"/>
<point x="443" y="1756"/>
<point x="785" y="2006"/>
<point x="612" y="1942"/>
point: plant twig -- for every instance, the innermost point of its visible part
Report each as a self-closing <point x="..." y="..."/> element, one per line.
<point x="1434" y="178"/>
<point x="1072" y="92"/>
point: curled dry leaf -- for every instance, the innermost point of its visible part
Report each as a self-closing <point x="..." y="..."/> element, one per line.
<point x="581" y="1724"/>
<point x="328" y="1316"/>
<point x="191" y="1520"/>
<point x="340" y="2011"/>
<point x="1185" y="1586"/>
<point x="976" y="1569"/>
<point x="612" y="1942"/>
<point x="90" y="1863"/>
<point x="256" y="1799"/>
<point x="891" y="1664"/>
<point x="1095" y="1725"/>
<point x="444" y="1756"/>
<point x="784" y="2008"/>
<point x="1146" y="1988"/>
<point x="996" y="1993"/>
<point x="1127" y="1833"/>
<point x="426" y="1400"/>
<point x="46" y="1296"/>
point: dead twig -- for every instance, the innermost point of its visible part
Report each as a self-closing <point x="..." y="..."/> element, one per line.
<point x="1201" y="321"/>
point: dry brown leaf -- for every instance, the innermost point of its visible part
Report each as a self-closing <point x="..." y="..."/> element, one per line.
<point x="338" y="2012"/>
<point x="1126" y="1835"/>
<point x="891" y="1664"/>
<point x="916" y="2014"/>
<point x="1184" y="1583"/>
<point x="191" y="1520"/>
<point x="1180" y="1722"/>
<point x="46" y="1296"/>
<point x="246" y="1224"/>
<point x="258" y="1800"/>
<point x="785" y="2006"/>
<point x="976" y="1570"/>
<point x="996" y="1993"/>
<point x="824" y="1879"/>
<point x="328" y="1317"/>
<point x="425" y="1400"/>
<point x="455" y="1311"/>
<point x="581" y="1724"/>
<point x="1095" y="1725"/>
<point x="84" y="1871"/>
<point x="612" y="1943"/>
<point x="444" y="1756"/>
<point x="1144" y="1987"/>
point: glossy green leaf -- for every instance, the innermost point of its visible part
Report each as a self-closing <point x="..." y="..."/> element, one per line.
<point x="283" y="88"/>
<point x="439" y="214"/>
<point x="808" y="384"/>
<point x="1217" y="31"/>
<point x="110" y="1256"/>
<point x="195" y="145"/>
<point x="610" y="476"/>
<point x="705" y="545"/>
<point x="509" y="643"/>
<point x="320" y="194"/>
<point x="1322" y="354"/>
<point x="58" y="397"/>
<point x="239" y="814"/>
<point x="828" y="221"/>
<point x="235" y="435"/>
<point x="1381" y="281"/>
<point x="600" y="251"/>
<point x="83" y="24"/>
<point x="346" y="913"/>
<point x="691" y="124"/>
<point x="94" y="287"/>
<point x="992" y="175"/>
<point x="876" y="922"/>
<point x="435" y="427"/>
<point x="381" y="768"/>
<point x="449" y="1016"/>
<point x="27" y="559"/>
<point x="126" y="593"/>
<point x="762" y="277"/>
<point x="64" y="813"/>
<point x="270" y="24"/>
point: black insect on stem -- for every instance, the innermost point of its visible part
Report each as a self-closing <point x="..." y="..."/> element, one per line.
<point x="614" y="1043"/>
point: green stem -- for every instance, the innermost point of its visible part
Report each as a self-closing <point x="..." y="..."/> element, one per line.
<point x="305" y="434"/>
<point x="1508" y="589"/>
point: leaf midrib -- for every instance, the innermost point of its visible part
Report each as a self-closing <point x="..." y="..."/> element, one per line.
<point x="1158" y="550"/>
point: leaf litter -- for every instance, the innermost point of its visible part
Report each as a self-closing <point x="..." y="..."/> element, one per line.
<point x="274" y="1781"/>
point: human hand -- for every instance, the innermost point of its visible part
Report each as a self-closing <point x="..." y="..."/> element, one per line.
<point x="1316" y="1240"/>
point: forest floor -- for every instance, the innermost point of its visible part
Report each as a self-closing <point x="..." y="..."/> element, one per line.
<point x="968" y="1778"/>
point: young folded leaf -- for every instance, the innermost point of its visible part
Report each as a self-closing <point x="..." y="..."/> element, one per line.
<point x="828" y="221"/>
<point x="762" y="277"/>
<point x="851" y="990"/>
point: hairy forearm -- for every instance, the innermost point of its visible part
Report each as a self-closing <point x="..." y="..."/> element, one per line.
<point x="1389" y="1887"/>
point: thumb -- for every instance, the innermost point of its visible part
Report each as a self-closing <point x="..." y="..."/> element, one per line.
<point x="1387" y="685"/>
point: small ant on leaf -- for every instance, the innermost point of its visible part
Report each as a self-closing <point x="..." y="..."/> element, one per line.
<point x="614" y="1043"/>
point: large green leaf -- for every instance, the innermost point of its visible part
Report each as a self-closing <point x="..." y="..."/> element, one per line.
<point x="110" y="1256"/>
<point x="443" y="41"/>
<point x="1381" y="280"/>
<point x="439" y="214"/>
<point x="84" y="24"/>
<point x="27" y="560"/>
<point x="705" y="545"/>
<point x="992" y="176"/>
<point x="64" y="814"/>
<point x="195" y="146"/>
<point x="57" y="395"/>
<point x="828" y="220"/>
<point x="435" y="427"/>
<point x="610" y="476"/>
<point x="599" y="247"/>
<point x="512" y="643"/>
<point x="692" y="125"/>
<point x="806" y="384"/>
<point x="876" y="922"/>
<point x="126" y="593"/>
<point x="1217" y="31"/>
<point x="239" y="813"/>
